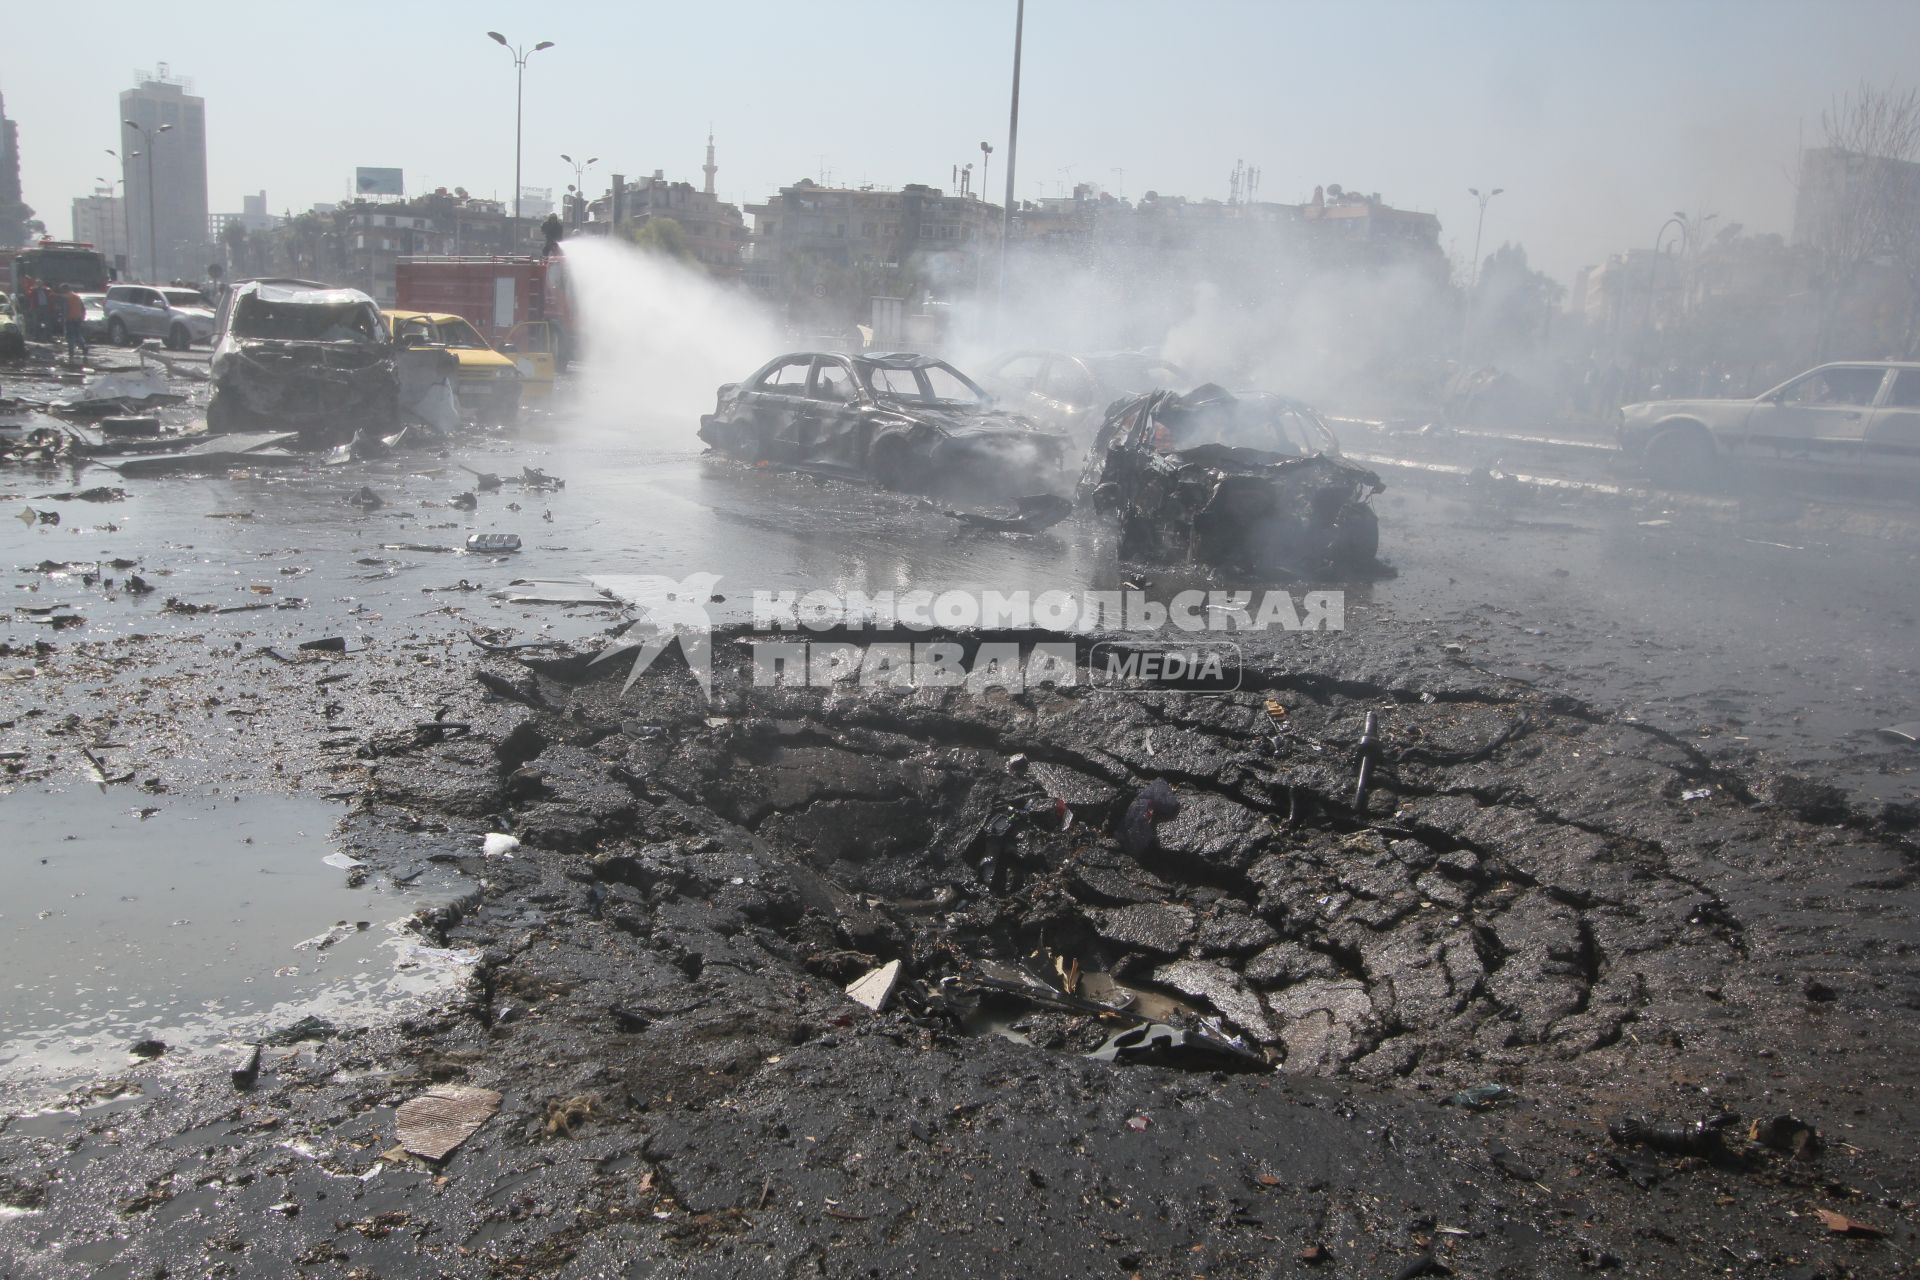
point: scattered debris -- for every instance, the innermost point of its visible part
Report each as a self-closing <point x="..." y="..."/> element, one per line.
<point x="1154" y="804"/>
<point x="875" y="989"/>
<point x="326" y="644"/>
<point x="1479" y="1097"/>
<point x="439" y="1120"/>
<point x="492" y="543"/>
<point x="496" y="844"/>
<point x="1841" y="1225"/>
<point x="1907" y="732"/>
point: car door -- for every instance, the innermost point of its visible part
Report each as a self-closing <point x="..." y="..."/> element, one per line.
<point x="1819" y="417"/>
<point x="530" y="346"/>
<point x="781" y="415"/>
<point x="832" y="422"/>
<point x="153" y="314"/>
<point x="1893" y="433"/>
<point x="1013" y="380"/>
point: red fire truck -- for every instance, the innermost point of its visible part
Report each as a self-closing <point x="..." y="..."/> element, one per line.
<point x="519" y="304"/>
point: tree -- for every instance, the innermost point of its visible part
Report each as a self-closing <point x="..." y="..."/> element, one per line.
<point x="233" y="237"/>
<point x="663" y="236"/>
<point x="1512" y="303"/>
<point x="1867" y="203"/>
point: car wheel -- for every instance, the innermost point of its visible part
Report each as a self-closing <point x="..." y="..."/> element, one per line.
<point x="893" y="464"/>
<point x="1682" y="456"/>
<point x="178" y="339"/>
<point x="1356" y="537"/>
<point x="117" y="333"/>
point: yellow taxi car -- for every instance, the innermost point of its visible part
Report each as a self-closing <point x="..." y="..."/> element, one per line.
<point x="488" y="384"/>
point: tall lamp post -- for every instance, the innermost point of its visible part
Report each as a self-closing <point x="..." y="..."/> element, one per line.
<point x="579" y="187"/>
<point x="1478" y="227"/>
<point x="986" y="163"/>
<point x="520" y="57"/>
<point x="1013" y="142"/>
<point x="147" y="137"/>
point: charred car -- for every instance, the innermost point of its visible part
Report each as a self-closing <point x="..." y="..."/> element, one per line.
<point x="911" y="422"/>
<point x="1246" y="482"/>
<point x="292" y="355"/>
<point x="1072" y="392"/>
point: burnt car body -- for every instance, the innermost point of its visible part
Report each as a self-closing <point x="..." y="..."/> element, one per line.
<point x="909" y="421"/>
<point x="295" y="355"/>
<point x="1244" y="482"/>
<point x="1071" y="392"/>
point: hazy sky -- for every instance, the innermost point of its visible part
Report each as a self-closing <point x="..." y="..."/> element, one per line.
<point x="1598" y="119"/>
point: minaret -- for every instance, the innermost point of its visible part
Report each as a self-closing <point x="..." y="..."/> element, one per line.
<point x="710" y="167"/>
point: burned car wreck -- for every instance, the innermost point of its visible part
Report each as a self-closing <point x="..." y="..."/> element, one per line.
<point x="299" y="356"/>
<point x="911" y="422"/>
<point x="1248" y="482"/>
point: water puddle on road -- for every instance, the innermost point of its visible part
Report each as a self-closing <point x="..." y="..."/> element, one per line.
<point x="192" y="920"/>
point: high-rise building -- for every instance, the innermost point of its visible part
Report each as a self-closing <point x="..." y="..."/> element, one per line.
<point x="100" y="220"/>
<point x="14" y="213"/>
<point x="168" y="223"/>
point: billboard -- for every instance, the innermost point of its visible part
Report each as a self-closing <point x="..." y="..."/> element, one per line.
<point x="378" y="182"/>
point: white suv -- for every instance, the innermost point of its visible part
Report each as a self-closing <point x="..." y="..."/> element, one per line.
<point x="178" y="317"/>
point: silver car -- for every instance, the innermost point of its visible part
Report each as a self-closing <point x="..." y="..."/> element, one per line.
<point x="178" y="317"/>
<point x="1856" y="416"/>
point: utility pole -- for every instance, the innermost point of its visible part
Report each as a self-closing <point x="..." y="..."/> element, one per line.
<point x="520" y="57"/>
<point x="1013" y="141"/>
<point x="986" y="162"/>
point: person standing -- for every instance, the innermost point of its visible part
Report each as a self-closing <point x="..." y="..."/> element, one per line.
<point x="76" y="315"/>
<point x="43" y="326"/>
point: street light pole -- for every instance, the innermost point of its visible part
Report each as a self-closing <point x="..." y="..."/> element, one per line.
<point x="520" y="57"/>
<point x="1013" y="141"/>
<point x="986" y="164"/>
<point x="153" y="251"/>
<point x="1478" y="227"/>
<point x="579" y="187"/>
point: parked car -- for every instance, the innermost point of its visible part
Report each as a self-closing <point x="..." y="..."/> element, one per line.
<point x="1230" y="481"/>
<point x="909" y="421"/>
<point x="1071" y="392"/>
<point x="1858" y="417"/>
<point x="96" y="320"/>
<point x="486" y="383"/>
<point x="295" y="355"/>
<point x="178" y="317"/>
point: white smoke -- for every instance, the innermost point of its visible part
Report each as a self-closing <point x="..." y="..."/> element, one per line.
<point x="658" y="338"/>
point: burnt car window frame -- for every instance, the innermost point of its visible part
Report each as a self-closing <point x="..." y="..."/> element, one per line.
<point x="762" y="383"/>
<point x="824" y="362"/>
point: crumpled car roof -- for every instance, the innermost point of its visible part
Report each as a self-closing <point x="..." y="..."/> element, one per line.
<point x="304" y="292"/>
<point x="897" y="359"/>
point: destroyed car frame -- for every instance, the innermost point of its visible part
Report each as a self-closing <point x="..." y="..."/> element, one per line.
<point x="911" y="422"/>
<point x="301" y="356"/>
<point x="1231" y="482"/>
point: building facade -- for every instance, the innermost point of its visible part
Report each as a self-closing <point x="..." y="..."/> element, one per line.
<point x="942" y="237"/>
<point x="715" y="231"/>
<point x="167" y="222"/>
<point x="101" y="221"/>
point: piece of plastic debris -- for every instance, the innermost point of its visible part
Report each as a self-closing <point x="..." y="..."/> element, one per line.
<point x="875" y="988"/>
<point x="1908" y="733"/>
<point x="1140" y="1123"/>
<point x="443" y="1117"/>
<point x="498" y="845"/>
<point x="1697" y="793"/>
<point x="492" y="543"/>
<point x="344" y="861"/>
